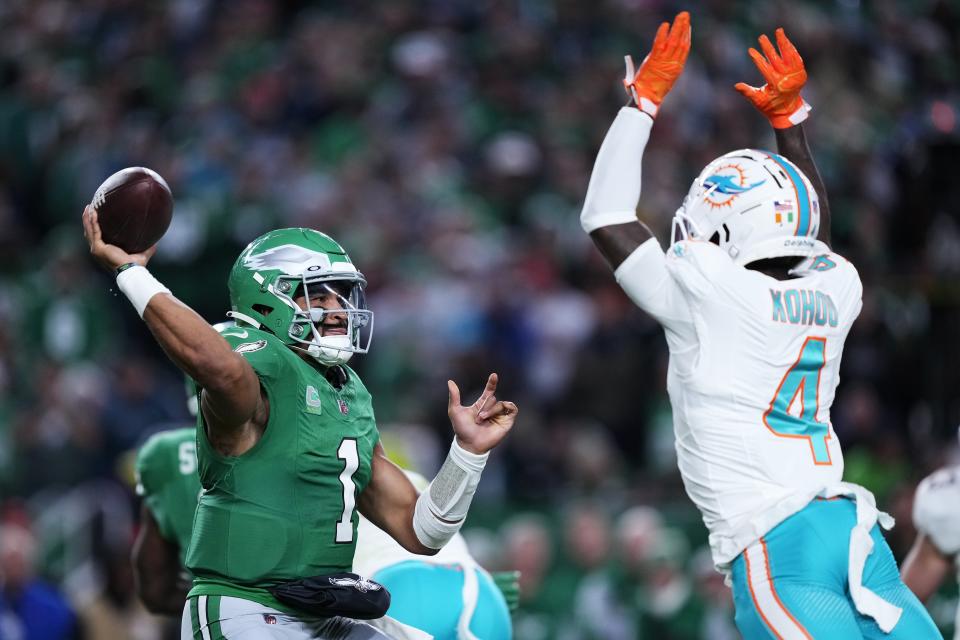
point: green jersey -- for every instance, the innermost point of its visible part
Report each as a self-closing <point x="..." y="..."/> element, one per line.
<point x="168" y="481"/>
<point x="285" y="509"/>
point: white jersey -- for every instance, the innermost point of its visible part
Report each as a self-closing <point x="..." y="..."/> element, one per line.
<point x="754" y="361"/>
<point x="936" y="514"/>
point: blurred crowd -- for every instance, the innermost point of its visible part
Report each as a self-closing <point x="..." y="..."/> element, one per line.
<point x="447" y="144"/>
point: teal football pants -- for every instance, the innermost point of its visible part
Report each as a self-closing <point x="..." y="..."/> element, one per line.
<point x="430" y="597"/>
<point x="793" y="583"/>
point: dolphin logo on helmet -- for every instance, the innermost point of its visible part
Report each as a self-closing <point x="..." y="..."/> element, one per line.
<point x="739" y="201"/>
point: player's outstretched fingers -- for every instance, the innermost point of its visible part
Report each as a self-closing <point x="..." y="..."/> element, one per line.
<point x="783" y="43"/>
<point x="453" y="396"/>
<point x="679" y="32"/>
<point x="488" y="391"/>
<point x="91" y="230"/>
<point x="660" y="39"/>
<point x="686" y="38"/>
<point x="491" y="387"/>
<point x="749" y="92"/>
<point x="763" y="66"/>
<point x="772" y="56"/>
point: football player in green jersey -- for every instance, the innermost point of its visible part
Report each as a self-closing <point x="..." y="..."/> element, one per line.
<point x="167" y="480"/>
<point x="287" y="445"/>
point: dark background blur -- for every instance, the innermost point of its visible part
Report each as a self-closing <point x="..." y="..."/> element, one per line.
<point x="447" y="145"/>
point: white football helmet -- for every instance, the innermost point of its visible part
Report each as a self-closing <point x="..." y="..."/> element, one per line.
<point x="757" y="203"/>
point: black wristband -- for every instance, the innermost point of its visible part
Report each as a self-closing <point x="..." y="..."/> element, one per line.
<point x="124" y="267"/>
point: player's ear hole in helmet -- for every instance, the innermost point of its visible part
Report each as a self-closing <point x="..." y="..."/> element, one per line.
<point x="285" y="265"/>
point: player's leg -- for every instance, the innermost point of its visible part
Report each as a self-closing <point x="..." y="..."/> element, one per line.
<point x="186" y="622"/>
<point x="491" y="618"/>
<point x="882" y="576"/>
<point x="768" y="607"/>
<point x="424" y="596"/>
<point x="792" y="582"/>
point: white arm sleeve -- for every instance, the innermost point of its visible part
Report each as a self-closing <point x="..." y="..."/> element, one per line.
<point x="442" y="508"/>
<point x="615" y="182"/>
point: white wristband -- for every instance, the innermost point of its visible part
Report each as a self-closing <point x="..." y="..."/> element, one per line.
<point x="648" y="106"/>
<point x="800" y="114"/>
<point x="139" y="286"/>
<point x="442" y="508"/>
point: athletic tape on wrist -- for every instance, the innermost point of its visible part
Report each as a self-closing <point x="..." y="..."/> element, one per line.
<point x="800" y="114"/>
<point x="139" y="286"/>
<point x="442" y="508"/>
<point x="648" y="106"/>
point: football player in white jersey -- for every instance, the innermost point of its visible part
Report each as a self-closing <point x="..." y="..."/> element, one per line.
<point x="936" y="515"/>
<point x="756" y="308"/>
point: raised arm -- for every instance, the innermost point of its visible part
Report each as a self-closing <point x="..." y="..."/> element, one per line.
<point x="232" y="401"/>
<point x="424" y="523"/>
<point x="609" y="209"/>
<point x="792" y="144"/>
<point x="780" y="101"/>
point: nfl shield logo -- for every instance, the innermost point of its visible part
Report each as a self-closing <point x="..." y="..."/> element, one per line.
<point x="344" y="409"/>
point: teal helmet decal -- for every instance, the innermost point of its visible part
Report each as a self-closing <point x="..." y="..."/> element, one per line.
<point x="284" y="265"/>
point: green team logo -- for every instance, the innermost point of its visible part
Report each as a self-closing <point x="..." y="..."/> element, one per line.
<point x="250" y="347"/>
<point x="313" y="400"/>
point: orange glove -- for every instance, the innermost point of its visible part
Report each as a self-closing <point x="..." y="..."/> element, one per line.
<point x="662" y="66"/>
<point x="779" y="99"/>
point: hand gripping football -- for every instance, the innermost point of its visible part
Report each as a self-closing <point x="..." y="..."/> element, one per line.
<point x="134" y="207"/>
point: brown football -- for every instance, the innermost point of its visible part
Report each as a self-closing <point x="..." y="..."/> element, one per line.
<point x="134" y="207"/>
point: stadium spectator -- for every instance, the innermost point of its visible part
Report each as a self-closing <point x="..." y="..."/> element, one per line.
<point x="30" y="609"/>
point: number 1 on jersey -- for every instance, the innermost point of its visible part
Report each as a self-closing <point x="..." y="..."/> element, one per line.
<point x="802" y="380"/>
<point x="351" y="461"/>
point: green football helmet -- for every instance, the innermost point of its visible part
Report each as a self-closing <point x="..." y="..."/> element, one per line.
<point x="282" y="265"/>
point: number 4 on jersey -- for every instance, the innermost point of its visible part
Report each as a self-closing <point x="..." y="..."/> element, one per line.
<point x="802" y="380"/>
